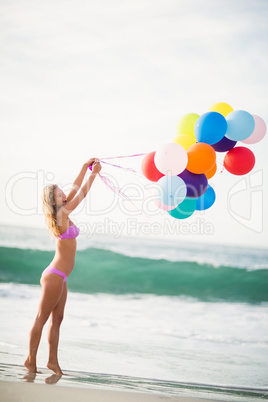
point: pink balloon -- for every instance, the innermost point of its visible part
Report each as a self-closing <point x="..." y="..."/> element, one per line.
<point x="259" y="131"/>
<point x="164" y="207"/>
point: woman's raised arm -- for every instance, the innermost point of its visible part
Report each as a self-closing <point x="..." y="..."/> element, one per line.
<point x="79" y="180"/>
<point x="70" y="206"/>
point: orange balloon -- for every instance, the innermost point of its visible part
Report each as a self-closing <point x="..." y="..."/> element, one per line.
<point x="201" y="158"/>
<point x="210" y="173"/>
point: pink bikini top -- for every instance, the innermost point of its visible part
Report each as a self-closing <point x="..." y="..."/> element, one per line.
<point x="71" y="233"/>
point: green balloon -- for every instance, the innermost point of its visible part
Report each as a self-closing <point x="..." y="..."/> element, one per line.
<point x="185" y="209"/>
<point x="186" y="124"/>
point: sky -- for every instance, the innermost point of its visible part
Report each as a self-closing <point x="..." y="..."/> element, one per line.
<point x="85" y="78"/>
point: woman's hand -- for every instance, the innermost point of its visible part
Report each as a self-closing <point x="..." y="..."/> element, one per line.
<point x="91" y="161"/>
<point x="96" y="167"/>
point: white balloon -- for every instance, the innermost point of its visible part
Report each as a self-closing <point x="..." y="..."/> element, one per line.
<point x="171" y="158"/>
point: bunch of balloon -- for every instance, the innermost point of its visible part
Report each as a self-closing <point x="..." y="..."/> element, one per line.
<point x="183" y="166"/>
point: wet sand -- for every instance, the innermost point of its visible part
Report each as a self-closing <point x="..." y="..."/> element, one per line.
<point x="31" y="392"/>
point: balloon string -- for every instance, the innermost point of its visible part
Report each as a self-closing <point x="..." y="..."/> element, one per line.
<point x="222" y="168"/>
<point x="115" y="189"/>
<point x="108" y="182"/>
<point x="123" y="168"/>
<point x="124" y="156"/>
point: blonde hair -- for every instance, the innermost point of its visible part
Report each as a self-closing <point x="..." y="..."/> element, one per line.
<point x="49" y="209"/>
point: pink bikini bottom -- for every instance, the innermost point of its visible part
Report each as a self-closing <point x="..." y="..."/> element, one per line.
<point x="52" y="270"/>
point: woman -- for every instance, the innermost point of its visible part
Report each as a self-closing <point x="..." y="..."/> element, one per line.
<point x="57" y="208"/>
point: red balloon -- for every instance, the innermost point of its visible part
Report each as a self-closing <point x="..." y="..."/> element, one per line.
<point x="149" y="169"/>
<point x="239" y="160"/>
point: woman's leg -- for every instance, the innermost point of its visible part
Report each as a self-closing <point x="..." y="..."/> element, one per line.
<point x="52" y="287"/>
<point x="54" y="332"/>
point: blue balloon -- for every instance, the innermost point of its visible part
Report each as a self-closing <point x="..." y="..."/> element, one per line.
<point x="172" y="190"/>
<point x="210" y="128"/>
<point x="240" y="125"/>
<point x="206" y="200"/>
<point x="184" y="210"/>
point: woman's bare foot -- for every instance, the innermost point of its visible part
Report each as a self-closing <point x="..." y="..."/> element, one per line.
<point x="54" y="367"/>
<point x="31" y="366"/>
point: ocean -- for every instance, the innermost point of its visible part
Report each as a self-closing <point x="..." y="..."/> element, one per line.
<point x="145" y="314"/>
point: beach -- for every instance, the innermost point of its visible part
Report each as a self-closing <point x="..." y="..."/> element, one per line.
<point x="17" y="385"/>
<point x="25" y="392"/>
<point x="147" y="320"/>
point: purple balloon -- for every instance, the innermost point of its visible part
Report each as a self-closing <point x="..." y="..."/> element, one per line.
<point x="224" y="145"/>
<point x="196" y="184"/>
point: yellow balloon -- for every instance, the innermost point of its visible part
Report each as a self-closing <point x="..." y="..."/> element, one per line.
<point x="184" y="140"/>
<point x="222" y="108"/>
<point x="186" y="124"/>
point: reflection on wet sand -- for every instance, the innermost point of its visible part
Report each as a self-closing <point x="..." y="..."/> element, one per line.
<point x="52" y="379"/>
